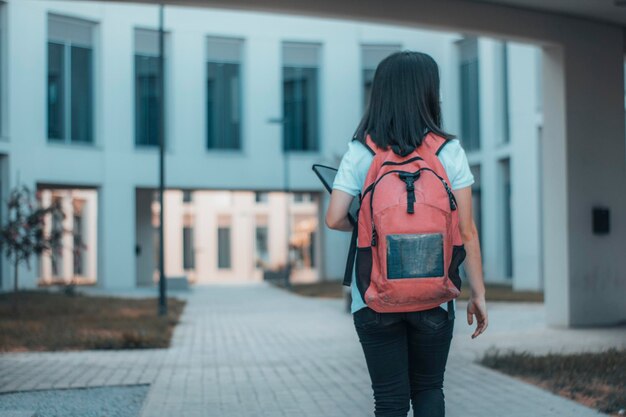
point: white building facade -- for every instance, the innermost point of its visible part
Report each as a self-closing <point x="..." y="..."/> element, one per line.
<point x="252" y="101"/>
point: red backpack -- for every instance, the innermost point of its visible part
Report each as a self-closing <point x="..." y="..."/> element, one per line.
<point x="409" y="246"/>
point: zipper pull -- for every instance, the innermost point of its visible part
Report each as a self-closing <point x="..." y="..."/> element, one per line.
<point x="450" y="196"/>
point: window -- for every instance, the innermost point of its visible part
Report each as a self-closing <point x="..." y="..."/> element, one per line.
<point x="303" y="240"/>
<point x="189" y="259"/>
<point x="223" y="90"/>
<point x="371" y="55"/>
<point x="56" y="253"/>
<point x="262" y="246"/>
<point x="223" y="247"/>
<point x="470" y="102"/>
<point x="70" y="80"/>
<point x="79" y="244"/>
<point x="187" y="196"/>
<point x="261" y="197"/>
<point x="300" y="97"/>
<point x="506" y="123"/>
<point x="505" y="193"/>
<point x="147" y="88"/>
<point x="302" y="197"/>
<point x="477" y="199"/>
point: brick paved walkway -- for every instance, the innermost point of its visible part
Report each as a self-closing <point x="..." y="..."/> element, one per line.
<point x="258" y="351"/>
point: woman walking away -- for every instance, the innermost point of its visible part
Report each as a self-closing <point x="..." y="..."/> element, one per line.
<point x="415" y="228"/>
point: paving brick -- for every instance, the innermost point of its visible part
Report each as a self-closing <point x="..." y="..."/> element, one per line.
<point x="258" y="351"/>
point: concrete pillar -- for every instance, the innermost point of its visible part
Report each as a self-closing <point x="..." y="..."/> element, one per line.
<point x="68" y="238"/>
<point x="489" y="136"/>
<point x="584" y="166"/>
<point x="45" y="261"/>
<point x="203" y="235"/>
<point x="90" y="233"/>
<point x="525" y="167"/>
<point x="116" y="259"/>
<point x="173" y="233"/>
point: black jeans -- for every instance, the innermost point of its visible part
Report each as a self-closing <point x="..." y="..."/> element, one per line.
<point x="406" y="355"/>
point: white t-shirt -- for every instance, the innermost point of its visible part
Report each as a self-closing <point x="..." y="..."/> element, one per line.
<point x="353" y="170"/>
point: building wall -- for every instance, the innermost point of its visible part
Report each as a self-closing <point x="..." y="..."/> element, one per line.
<point x="116" y="169"/>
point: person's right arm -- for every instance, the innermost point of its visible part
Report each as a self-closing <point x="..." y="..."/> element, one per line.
<point x="476" y="306"/>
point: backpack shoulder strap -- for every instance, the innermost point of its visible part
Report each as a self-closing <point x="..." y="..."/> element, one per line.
<point x="429" y="150"/>
<point x="440" y="148"/>
<point x="347" y="275"/>
<point x="369" y="144"/>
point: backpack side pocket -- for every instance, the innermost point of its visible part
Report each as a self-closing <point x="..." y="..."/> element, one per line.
<point x="363" y="269"/>
<point x="458" y="256"/>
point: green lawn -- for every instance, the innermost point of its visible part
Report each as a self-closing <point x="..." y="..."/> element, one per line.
<point x="47" y="321"/>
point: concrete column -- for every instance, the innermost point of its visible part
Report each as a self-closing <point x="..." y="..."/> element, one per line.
<point x="116" y="235"/>
<point x="45" y="261"/>
<point x="173" y="233"/>
<point x="584" y="166"/>
<point x="489" y="136"/>
<point x="277" y="229"/>
<point x="525" y="167"/>
<point x="68" y="238"/>
<point x="90" y="233"/>
<point x="203" y="234"/>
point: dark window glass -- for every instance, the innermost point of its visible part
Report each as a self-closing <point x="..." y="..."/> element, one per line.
<point x="56" y="254"/>
<point x="147" y="110"/>
<point x="313" y="238"/>
<point x="300" y="128"/>
<point x="223" y="248"/>
<point x="477" y="199"/>
<point x="505" y="175"/>
<point x="505" y="94"/>
<point x="262" y="247"/>
<point x="368" y="80"/>
<point x="470" y="114"/>
<point x="78" y="245"/>
<point x="70" y="93"/>
<point x="56" y="91"/>
<point x="302" y="197"/>
<point x="187" y="196"/>
<point x="261" y="197"/>
<point x="223" y="106"/>
<point x="189" y="261"/>
<point x="82" y="114"/>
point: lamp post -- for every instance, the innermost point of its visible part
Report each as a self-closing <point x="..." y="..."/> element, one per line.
<point x="286" y="186"/>
<point x="162" y="287"/>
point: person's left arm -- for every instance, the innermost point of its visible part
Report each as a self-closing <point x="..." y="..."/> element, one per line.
<point x="337" y="213"/>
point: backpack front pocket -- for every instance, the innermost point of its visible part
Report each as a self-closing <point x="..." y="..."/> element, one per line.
<point x="415" y="256"/>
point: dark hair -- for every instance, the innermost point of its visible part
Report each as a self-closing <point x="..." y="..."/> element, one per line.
<point x="404" y="103"/>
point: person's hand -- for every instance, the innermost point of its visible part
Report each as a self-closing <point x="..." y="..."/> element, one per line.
<point x="477" y="307"/>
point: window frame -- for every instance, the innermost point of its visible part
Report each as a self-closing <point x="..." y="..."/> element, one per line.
<point x="317" y="66"/>
<point x="240" y="44"/>
<point x="66" y="76"/>
<point x="144" y="53"/>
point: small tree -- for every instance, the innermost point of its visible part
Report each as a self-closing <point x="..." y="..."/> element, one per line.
<point x="23" y="234"/>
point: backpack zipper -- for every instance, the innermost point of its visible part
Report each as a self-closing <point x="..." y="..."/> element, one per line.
<point x="451" y="198"/>
<point x="416" y="158"/>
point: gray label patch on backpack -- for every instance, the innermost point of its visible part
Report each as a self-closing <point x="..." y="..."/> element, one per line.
<point x="415" y="256"/>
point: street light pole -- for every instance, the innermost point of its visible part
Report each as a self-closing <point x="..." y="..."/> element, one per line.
<point x="283" y="122"/>
<point x="287" y="211"/>
<point x="162" y="288"/>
